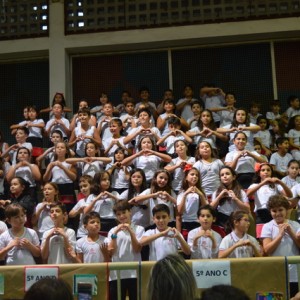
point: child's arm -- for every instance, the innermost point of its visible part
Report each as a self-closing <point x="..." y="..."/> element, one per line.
<point x="286" y="189"/>
<point x="10" y="245"/>
<point x="128" y="160"/>
<point x="268" y="152"/>
<point x="270" y="245"/>
<point x="183" y="244"/>
<point x="161" y="140"/>
<point x="76" y="210"/>
<point x="35" y="250"/>
<point x="220" y="136"/>
<point x="71" y="173"/>
<point x="232" y="164"/>
<point x="46" y="244"/>
<point x="95" y="138"/>
<point x="41" y="124"/>
<point x="164" y="157"/>
<point x="132" y="136"/>
<point x="91" y="205"/>
<point x="105" y="252"/>
<point x="42" y="156"/>
<point x="37" y="213"/>
<point x="146" y="240"/>
<point x="292" y="144"/>
<point x="48" y="174"/>
<point x="252" y="190"/>
<point x="226" y="252"/>
<point x="186" y="137"/>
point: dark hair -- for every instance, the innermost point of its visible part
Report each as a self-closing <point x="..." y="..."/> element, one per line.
<point x="209" y="208"/>
<point x="235" y="123"/>
<point x="185" y="184"/>
<point x="131" y="189"/>
<point x="198" y="156"/>
<point x="146" y="110"/>
<point x="49" y="289"/>
<point x="61" y="205"/>
<point x="84" y="110"/>
<point x="291" y="98"/>
<point x="23" y="148"/>
<point x="196" y="102"/>
<point x="13" y="210"/>
<point x="63" y="101"/>
<point x="257" y="178"/>
<point x="291" y="123"/>
<point x="57" y="132"/>
<point x="144" y="89"/>
<point x="61" y="105"/>
<point x="68" y="152"/>
<point x="174" y="121"/>
<point x="275" y="103"/>
<point x="255" y="104"/>
<point x="293" y="161"/>
<point x="154" y="186"/>
<point x="230" y="93"/>
<point x="98" y="178"/>
<point x="89" y="216"/>
<point x="224" y="292"/>
<point x="96" y="148"/>
<point x="160" y="208"/>
<point x="24" y="129"/>
<point x="281" y="140"/>
<point x="152" y="142"/>
<point x="235" y="216"/>
<point x="240" y="132"/>
<point x="90" y="180"/>
<point x="33" y="108"/>
<point x="130" y="100"/>
<point x="211" y="125"/>
<point x="121" y="206"/>
<point x="236" y="187"/>
<point x="276" y="201"/>
<point x="259" y="118"/>
<point x="24" y="183"/>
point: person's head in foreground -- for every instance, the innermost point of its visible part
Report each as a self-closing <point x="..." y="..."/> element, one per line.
<point x="224" y="292"/>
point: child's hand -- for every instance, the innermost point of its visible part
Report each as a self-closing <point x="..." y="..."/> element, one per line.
<point x="283" y="229"/>
<point x="170" y="232"/>
<point x="104" y="249"/>
<point x="25" y="243"/>
<point x="14" y="243"/>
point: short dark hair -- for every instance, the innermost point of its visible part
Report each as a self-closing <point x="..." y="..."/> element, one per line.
<point x="160" y="208"/>
<point x="281" y="140"/>
<point x="61" y="205"/>
<point x="13" y="210"/>
<point x="276" y="201"/>
<point x="89" y="216"/>
<point x="121" y="206"/>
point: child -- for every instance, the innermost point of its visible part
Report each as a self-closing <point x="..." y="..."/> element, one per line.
<point x="103" y="203"/>
<point x="104" y="122"/>
<point x="160" y="192"/>
<point x="58" y="243"/>
<point x="98" y="110"/>
<point x="91" y="248"/>
<point x="238" y="243"/>
<point x="203" y="241"/>
<point x="254" y="112"/>
<point x="18" y="245"/>
<point x="292" y="177"/>
<point x="197" y="109"/>
<point x="294" y="136"/>
<point x="229" y="197"/>
<point x="177" y="164"/>
<point x="137" y="185"/>
<point x="119" y="173"/>
<point x="123" y="244"/>
<point x="280" y="236"/>
<point x="183" y="105"/>
<point x="84" y="133"/>
<point x="174" y="134"/>
<point x="274" y="114"/>
<point x="294" y="106"/>
<point x="91" y="164"/>
<point x="190" y="199"/>
<point x="116" y="141"/>
<point x="163" y="240"/>
<point x="41" y="217"/>
<point x="86" y="185"/>
<point x="209" y="167"/>
<point x="21" y="136"/>
<point x="58" y="122"/>
<point x="280" y="159"/>
<point x="129" y="119"/>
<point x="266" y="185"/>
<point x="147" y="158"/>
<point x="145" y="101"/>
<point x="263" y="135"/>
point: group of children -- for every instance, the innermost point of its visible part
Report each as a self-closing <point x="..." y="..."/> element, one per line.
<point x="183" y="184"/>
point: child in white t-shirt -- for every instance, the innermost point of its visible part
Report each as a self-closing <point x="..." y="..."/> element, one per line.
<point x="19" y="245"/>
<point x="163" y="240"/>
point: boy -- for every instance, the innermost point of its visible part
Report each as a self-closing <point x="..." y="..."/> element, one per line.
<point x="196" y="110"/>
<point x="183" y="105"/>
<point x="174" y="134"/>
<point x="274" y="114"/>
<point x="58" y="242"/>
<point x="58" y="122"/>
<point x="19" y="245"/>
<point x="279" y="236"/>
<point x="103" y="98"/>
<point x="129" y="118"/>
<point x="280" y="159"/>
<point x="254" y="112"/>
<point x="21" y="136"/>
<point x="103" y="123"/>
<point x="145" y="96"/>
<point x="91" y="248"/>
<point x="123" y="244"/>
<point x="294" y="106"/>
<point x="163" y="240"/>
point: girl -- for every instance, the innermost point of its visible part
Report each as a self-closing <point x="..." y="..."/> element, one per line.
<point x="203" y="241"/>
<point x="206" y="130"/>
<point x="264" y="136"/>
<point x="240" y="123"/>
<point x="229" y="197"/>
<point x="208" y="167"/>
<point x="119" y="173"/>
<point x="242" y="160"/>
<point x="137" y="185"/>
<point x="294" y="136"/>
<point x="292" y="177"/>
<point x="91" y="164"/>
<point x="117" y="141"/>
<point x="176" y="166"/>
<point x="103" y="203"/>
<point x="63" y="174"/>
<point x="26" y="170"/>
<point x="58" y="98"/>
<point x="264" y="187"/>
<point x="147" y="158"/>
<point x="169" y="108"/>
<point x="160" y="192"/>
<point x="41" y="217"/>
<point x="144" y="129"/>
<point x="84" y="133"/>
<point x="87" y="187"/>
<point x="238" y="243"/>
<point x="190" y="199"/>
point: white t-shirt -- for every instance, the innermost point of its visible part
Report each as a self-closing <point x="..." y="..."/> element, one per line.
<point x="286" y="247"/>
<point x="280" y="162"/>
<point x="58" y="126"/>
<point x="44" y="222"/>
<point x="204" y="248"/>
<point x="18" y="255"/>
<point x="149" y="163"/>
<point x="34" y="131"/>
<point x="199" y="138"/>
<point x="162" y="246"/>
<point x="192" y="204"/>
<point x="239" y="252"/>
<point x="90" y="250"/>
<point x="57" y="251"/>
<point x="245" y="164"/>
<point x="81" y="231"/>
<point x="104" y="206"/>
<point x="124" y="251"/>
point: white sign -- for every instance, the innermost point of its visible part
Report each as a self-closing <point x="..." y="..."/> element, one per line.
<point x="34" y="274"/>
<point x="210" y="273"/>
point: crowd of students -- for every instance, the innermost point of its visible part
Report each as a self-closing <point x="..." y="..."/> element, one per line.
<point x="174" y="176"/>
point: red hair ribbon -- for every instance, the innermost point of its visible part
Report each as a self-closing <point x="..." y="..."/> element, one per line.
<point x="187" y="167"/>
